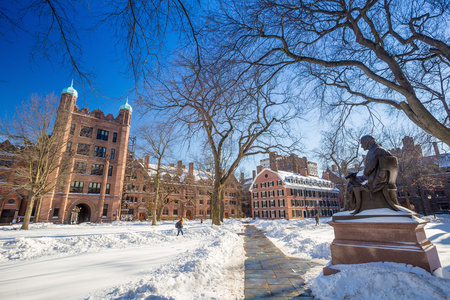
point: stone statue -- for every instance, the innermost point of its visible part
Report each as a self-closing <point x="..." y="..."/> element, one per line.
<point x="375" y="187"/>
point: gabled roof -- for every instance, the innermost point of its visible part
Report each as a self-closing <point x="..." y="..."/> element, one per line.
<point x="298" y="181"/>
<point x="172" y="171"/>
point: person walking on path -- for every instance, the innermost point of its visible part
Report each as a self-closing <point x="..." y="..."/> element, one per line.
<point x="179" y="226"/>
<point x="317" y="219"/>
<point x="201" y="221"/>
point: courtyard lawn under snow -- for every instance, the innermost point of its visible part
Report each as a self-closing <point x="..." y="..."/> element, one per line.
<point x="134" y="260"/>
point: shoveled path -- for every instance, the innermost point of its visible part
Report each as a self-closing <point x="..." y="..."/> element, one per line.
<point x="271" y="274"/>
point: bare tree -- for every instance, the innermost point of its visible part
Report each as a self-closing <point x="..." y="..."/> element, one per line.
<point x="157" y="141"/>
<point x="388" y="52"/>
<point x="234" y="118"/>
<point x="414" y="168"/>
<point x="143" y="31"/>
<point x="341" y="148"/>
<point x="39" y="135"/>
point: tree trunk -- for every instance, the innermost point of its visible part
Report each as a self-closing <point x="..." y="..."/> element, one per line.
<point x="222" y="204"/>
<point x="38" y="210"/>
<point x="27" y="217"/>
<point x="156" y="199"/>
<point x="215" y="202"/>
<point x="405" y="191"/>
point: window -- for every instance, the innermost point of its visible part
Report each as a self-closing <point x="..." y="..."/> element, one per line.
<point x="110" y="170"/>
<point x="108" y="189"/>
<point x="94" y="188"/>
<point x="439" y="194"/>
<point x="114" y="137"/>
<point x="102" y="135"/>
<point x="69" y="146"/>
<point x="79" y="168"/>
<point x="271" y="193"/>
<point x="56" y="212"/>
<point x="86" y="131"/>
<point x="282" y="214"/>
<point x="232" y="212"/>
<point x="105" y="210"/>
<point x="256" y="204"/>
<point x="279" y="182"/>
<point x="264" y="203"/>
<point x="280" y="202"/>
<point x="72" y="129"/>
<point x="113" y="152"/>
<point x="263" y="194"/>
<point x="83" y="149"/>
<point x="11" y="201"/>
<point x="270" y="183"/>
<point x="97" y="169"/>
<point x="175" y="212"/>
<point x="200" y="201"/>
<point x="263" y="184"/>
<point x="273" y="214"/>
<point x="271" y="203"/>
<point x="280" y="192"/>
<point x="99" y="151"/>
<point x="256" y="214"/>
<point x="200" y="212"/>
<point x="255" y="195"/>
<point x="76" y="187"/>
<point x="208" y="212"/>
<point x="264" y="213"/>
<point x="255" y="186"/>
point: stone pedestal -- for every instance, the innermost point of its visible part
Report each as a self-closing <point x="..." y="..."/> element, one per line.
<point x="381" y="238"/>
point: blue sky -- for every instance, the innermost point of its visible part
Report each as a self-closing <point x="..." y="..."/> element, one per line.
<point x="21" y="76"/>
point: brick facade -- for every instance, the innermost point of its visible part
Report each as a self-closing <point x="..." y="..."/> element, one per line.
<point x="189" y="192"/>
<point x="287" y="195"/>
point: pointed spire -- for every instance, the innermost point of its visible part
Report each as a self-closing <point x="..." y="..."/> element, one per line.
<point x="126" y="106"/>
<point x="70" y="90"/>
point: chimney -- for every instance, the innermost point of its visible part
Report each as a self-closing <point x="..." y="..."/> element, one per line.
<point x="259" y="169"/>
<point x="242" y="178"/>
<point x="304" y="172"/>
<point x="334" y="168"/>
<point x="172" y="165"/>
<point x="191" y="168"/>
<point x="326" y="176"/>
<point x="146" y="161"/>
<point x="180" y="164"/>
<point x="274" y="166"/>
<point x="254" y="174"/>
<point x="436" y="149"/>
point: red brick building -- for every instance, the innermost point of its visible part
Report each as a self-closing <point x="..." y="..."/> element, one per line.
<point x="286" y="195"/>
<point x="96" y="149"/>
<point x="188" y="190"/>
<point x="11" y="195"/>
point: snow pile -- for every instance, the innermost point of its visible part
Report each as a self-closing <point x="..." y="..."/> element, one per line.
<point x="303" y="239"/>
<point x="300" y="238"/>
<point x="379" y="281"/>
<point x="214" y="270"/>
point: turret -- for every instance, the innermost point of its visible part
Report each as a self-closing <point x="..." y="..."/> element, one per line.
<point x="69" y="97"/>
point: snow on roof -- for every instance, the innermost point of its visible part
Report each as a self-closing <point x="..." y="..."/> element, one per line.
<point x="298" y="181"/>
<point x="172" y="171"/>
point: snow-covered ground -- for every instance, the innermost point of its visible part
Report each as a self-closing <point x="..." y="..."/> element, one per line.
<point x="134" y="260"/>
<point x="302" y="238"/>
<point x="122" y="260"/>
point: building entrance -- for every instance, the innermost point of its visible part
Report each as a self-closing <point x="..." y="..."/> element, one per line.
<point x="80" y="214"/>
<point x="188" y="215"/>
<point x="7" y="216"/>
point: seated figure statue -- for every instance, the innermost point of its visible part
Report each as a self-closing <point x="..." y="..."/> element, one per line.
<point x="375" y="187"/>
